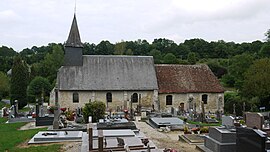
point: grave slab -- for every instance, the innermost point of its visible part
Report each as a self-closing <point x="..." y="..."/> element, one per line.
<point x="60" y="136"/>
<point x="167" y="121"/>
<point x="115" y="133"/>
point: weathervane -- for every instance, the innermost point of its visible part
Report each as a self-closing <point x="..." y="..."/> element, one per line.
<point x="75" y="7"/>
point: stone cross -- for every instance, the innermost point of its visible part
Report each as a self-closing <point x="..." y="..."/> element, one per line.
<point x="16" y="108"/>
<point x="234" y="113"/>
<point x="56" y="117"/>
<point x="203" y="112"/>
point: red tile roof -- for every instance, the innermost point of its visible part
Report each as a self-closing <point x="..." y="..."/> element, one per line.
<point x="186" y="79"/>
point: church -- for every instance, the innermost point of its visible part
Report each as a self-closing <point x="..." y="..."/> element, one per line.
<point x="122" y="82"/>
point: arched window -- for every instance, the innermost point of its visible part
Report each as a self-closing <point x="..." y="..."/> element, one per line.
<point x="109" y="97"/>
<point x="75" y="97"/>
<point x="205" y="98"/>
<point x="169" y="100"/>
<point x="135" y="97"/>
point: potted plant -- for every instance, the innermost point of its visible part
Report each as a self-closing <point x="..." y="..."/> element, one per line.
<point x="186" y="130"/>
<point x="51" y="109"/>
<point x="204" y="130"/>
<point x="69" y="115"/>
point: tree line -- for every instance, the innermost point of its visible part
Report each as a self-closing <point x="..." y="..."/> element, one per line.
<point x="241" y="66"/>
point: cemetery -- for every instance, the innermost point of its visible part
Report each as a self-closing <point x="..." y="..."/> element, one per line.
<point x="119" y="131"/>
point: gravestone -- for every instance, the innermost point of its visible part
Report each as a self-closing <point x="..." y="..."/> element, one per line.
<point x="218" y="115"/>
<point x="4" y="111"/>
<point x="219" y="140"/>
<point x="143" y="115"/>
<point x="56" y="117"/>
<point x="228" y="121"/>
<point x="254" y="120"/>
<point x="16" y="108"/>
<point x="250" y="140"/>
<point x="11" y="112"/>
<point x="172" y="111"/>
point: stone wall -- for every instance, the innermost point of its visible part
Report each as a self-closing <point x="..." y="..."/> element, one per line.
<point x="178" y="98"/>
<point x="120" y="99"/>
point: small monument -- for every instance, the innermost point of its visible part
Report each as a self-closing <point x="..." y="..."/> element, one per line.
<point x="56" y="117"/>
<point x="254" y="120"/>
<point x="228" y="122"/>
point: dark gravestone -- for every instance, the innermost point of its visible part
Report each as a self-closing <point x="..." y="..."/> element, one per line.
<point x="44" y="121"/>
<point x="250" y="140"/>
<point x="220" y="140"/>
<point x="120" y="141"/>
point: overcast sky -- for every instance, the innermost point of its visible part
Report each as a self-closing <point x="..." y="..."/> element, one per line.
<point x="27" y="23"/>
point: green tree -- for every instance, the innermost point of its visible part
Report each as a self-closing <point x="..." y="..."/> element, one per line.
<point x="199" y="46"/>
<point x="120" y="48"/>
<point x="156" y="55"/>
<point x="52" y="63"/>
<point x="89" y="49"/>
<point x="19" y="82"/>
<point x="104" y="48"/>
<point x="129" y="52"/>
<point x="164" y="45"/>
<point x="231" y="98"/>
<point x="238" y="66"/>
<point x="216" y="68"/>
<point x="256" y="82"/>
<point x="95" y="109"/>
<point x="37" y="88"/>
<point x="265" y="50"/>
<point x="169" y="58"/>
<point x="192" y="59"/>
<point x="4" y="85"/>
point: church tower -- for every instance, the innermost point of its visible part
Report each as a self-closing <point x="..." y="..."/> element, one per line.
<point x="73" y="46"/>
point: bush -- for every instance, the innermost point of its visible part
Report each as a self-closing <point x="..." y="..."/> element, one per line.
<point x="204" y="130"/>
<point x="95" y="109"/>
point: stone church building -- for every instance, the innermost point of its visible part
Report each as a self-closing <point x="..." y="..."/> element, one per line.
<point x="122" y="82"/>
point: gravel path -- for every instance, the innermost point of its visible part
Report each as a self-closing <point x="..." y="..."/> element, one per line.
<point x="165" y="140"/>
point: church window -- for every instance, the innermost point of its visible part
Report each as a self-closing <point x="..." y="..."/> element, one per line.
<point x="75" y="97"/>
<point x="135" y="97"/>
<point x="109" y="97"/>
<point x="204" y="98"/>
<point x="169" y="100"/>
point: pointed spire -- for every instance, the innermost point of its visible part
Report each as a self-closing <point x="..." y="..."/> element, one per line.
<point x="74" y="39"/>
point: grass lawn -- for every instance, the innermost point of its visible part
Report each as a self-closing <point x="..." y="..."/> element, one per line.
<point x="3" y="104"/>
<point x="25" y="109"/>
<point x="10" y="137"/>
<point x="202" y="124"/>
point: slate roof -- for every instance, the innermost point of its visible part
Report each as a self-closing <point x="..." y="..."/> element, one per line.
<point x="110" y="72"/>
<point x="186" y="79"/>
<point x="74" y="39"/>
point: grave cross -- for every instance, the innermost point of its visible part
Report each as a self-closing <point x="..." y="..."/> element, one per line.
<point x="234" y="113"/>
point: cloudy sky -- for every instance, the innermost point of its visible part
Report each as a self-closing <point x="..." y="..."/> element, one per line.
<point x="27" y="23"/>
